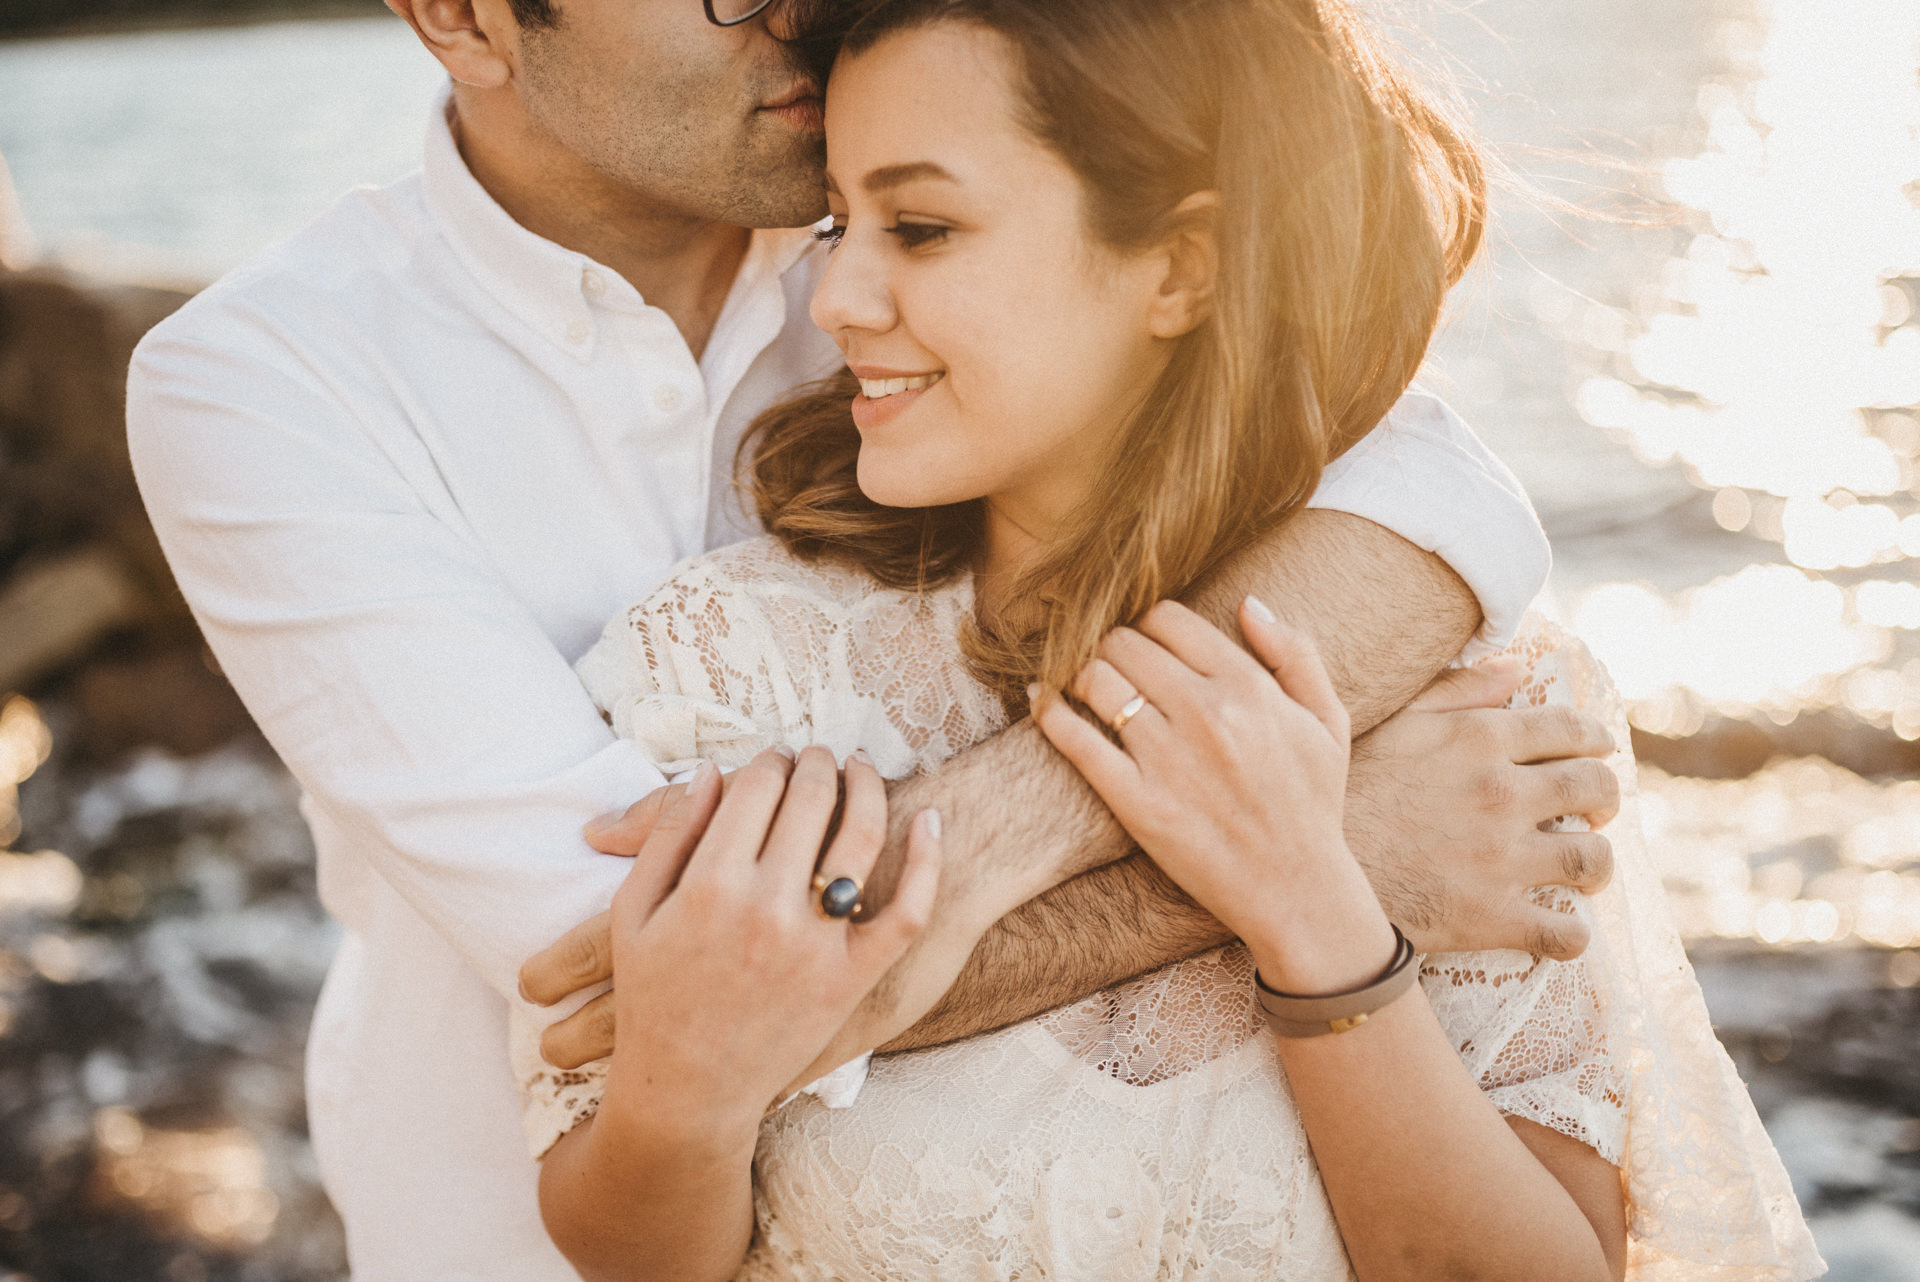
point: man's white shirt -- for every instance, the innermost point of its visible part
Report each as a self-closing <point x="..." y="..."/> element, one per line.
<point x="405" y="466"/>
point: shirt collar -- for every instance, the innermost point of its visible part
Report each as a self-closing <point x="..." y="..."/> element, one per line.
<point x="543" y="283"/>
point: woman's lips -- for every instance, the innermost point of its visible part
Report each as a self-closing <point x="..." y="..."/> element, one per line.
<point x="869" y="413"/>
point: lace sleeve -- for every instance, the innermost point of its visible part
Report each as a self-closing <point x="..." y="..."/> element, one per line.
<point x="1618" y="1050"/>
<point x="1534" y="1034"/>
<point x="693" y="673"/>
<point x="747" y="647"/>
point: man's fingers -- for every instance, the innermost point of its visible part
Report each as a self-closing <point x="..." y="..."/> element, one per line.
<point x="624" y="832"/>
<point x="1576" y="786"/>
<point x="1485" y="685"/>
<point x="1546" y="734"/>
<point x="582" y="1037"/>
<point x="1546" y="933"/>
<point x="1581" y="860"/>
<point x="582" y="956"/>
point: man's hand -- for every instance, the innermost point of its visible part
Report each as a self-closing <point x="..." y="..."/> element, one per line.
<point x="1447" y="805"/>
<point x="1447" y="802"/>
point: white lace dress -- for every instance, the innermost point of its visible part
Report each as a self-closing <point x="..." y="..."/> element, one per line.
<point x="1147" y="1132"/>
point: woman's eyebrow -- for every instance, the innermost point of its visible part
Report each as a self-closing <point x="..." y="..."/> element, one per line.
<point x="888" y="177"/>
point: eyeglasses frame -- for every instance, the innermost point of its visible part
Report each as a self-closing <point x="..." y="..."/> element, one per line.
<point x="748" y="16"/>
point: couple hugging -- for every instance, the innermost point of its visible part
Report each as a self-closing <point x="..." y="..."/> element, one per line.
<point x="1015" y="555"/>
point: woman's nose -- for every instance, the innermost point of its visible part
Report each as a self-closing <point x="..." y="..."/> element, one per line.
<point x="852" y="293"/>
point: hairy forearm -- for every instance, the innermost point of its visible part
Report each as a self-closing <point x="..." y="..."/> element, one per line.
<point x="1386" y="616"/>
<point x="1020" y="821"/>
<point x="1116" y="921"/>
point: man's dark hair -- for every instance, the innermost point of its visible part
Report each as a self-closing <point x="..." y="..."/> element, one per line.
<point x="534" y="13"/>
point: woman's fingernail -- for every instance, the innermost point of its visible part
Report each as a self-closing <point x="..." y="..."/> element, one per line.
<point x="931" y="818"/>
<point x="600" y="823"/>
<point x="1261" y="610"/>
<point x="786" y="752"/>
<point x="1033" y="692"/>
<point x="860" y="755"/>
<point x="705" y="774"/>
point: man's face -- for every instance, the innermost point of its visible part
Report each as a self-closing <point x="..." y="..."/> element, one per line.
<point x="715" y="122"/>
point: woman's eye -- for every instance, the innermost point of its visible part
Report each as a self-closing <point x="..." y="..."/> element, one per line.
<point x="830" y="236"/>
<point x="914" y="235"/>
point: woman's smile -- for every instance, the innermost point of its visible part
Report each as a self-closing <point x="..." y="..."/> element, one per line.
<point x="886" y="394"/>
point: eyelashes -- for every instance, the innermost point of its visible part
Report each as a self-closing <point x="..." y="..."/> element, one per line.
<point x="914" y="235"/>
<point x="910" y="235"/>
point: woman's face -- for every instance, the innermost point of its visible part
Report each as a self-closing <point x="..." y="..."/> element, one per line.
<point x="1000" y="345"/>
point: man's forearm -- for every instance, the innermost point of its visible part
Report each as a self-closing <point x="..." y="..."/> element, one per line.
<point x="1386" y="616"/>
<point x="1119" y="920"/>
<point x="1020" y="821"/>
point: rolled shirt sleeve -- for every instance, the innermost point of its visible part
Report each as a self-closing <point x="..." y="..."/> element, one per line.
<point x="1423" y="474"/>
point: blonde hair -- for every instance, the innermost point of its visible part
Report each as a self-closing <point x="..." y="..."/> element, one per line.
<point x="1349" y="202"/>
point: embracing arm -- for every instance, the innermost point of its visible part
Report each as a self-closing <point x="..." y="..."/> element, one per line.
<point x="439" y="733"/>
<point x="1018" y="817"/>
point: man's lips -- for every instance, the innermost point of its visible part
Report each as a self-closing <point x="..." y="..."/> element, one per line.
<point x="801" y="107"/>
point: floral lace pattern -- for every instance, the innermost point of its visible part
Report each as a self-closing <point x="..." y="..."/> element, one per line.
<point x="1148" y="1131"/>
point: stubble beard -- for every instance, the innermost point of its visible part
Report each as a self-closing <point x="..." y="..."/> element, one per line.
<point x="733" y="164"/>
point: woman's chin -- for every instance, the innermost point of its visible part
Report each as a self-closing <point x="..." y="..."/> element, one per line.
<point x="889" y="489"/>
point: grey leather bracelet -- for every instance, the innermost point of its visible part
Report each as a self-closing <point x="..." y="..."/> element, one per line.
<point x="1291" y="1016"/>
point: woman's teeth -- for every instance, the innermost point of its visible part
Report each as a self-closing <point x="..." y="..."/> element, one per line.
<point x="877" y="388"/>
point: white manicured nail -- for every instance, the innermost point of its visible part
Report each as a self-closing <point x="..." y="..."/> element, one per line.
<point x="931" y="818"/>
<point x="1261" y="610"/>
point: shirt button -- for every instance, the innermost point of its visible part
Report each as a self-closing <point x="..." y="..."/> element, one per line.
<point x="667" y="398"/>
<point x="595" y="284"/>
<point x="577" y="332"/>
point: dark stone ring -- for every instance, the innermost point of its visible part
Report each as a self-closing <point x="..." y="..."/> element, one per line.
<point x="839" y="899"/>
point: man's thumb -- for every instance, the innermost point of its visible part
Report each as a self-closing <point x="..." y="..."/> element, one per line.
<point x="1485" y="685"/>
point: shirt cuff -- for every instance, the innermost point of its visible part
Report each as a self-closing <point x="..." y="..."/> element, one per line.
<point x="840" y="1088"/>
<point x="1423" y="474"/>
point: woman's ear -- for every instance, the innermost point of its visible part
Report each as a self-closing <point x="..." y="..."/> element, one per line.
<point x="1192" y="257"/>
<point x="472" y="39"/>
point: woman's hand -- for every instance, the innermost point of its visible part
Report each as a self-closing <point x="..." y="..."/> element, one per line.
<point x="732" y="977"/>
<point x="1231" y="775"/>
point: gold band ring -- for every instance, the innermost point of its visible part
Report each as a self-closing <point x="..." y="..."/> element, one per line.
<point x="1128" y="711"/>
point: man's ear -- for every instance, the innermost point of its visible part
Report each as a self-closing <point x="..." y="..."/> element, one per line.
<point x="1192" y="256"/>
<point x="473" y="39"/>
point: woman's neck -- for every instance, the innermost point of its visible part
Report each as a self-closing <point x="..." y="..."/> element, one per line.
<point x="1013" y="543"/>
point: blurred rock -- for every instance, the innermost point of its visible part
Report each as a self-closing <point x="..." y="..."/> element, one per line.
<point x="16" y="242"/>
<point x="65" y="477"/>
<point x="51" y="612"/>
<point x="1730" y="748"/>
<point x="173" y="699"/>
